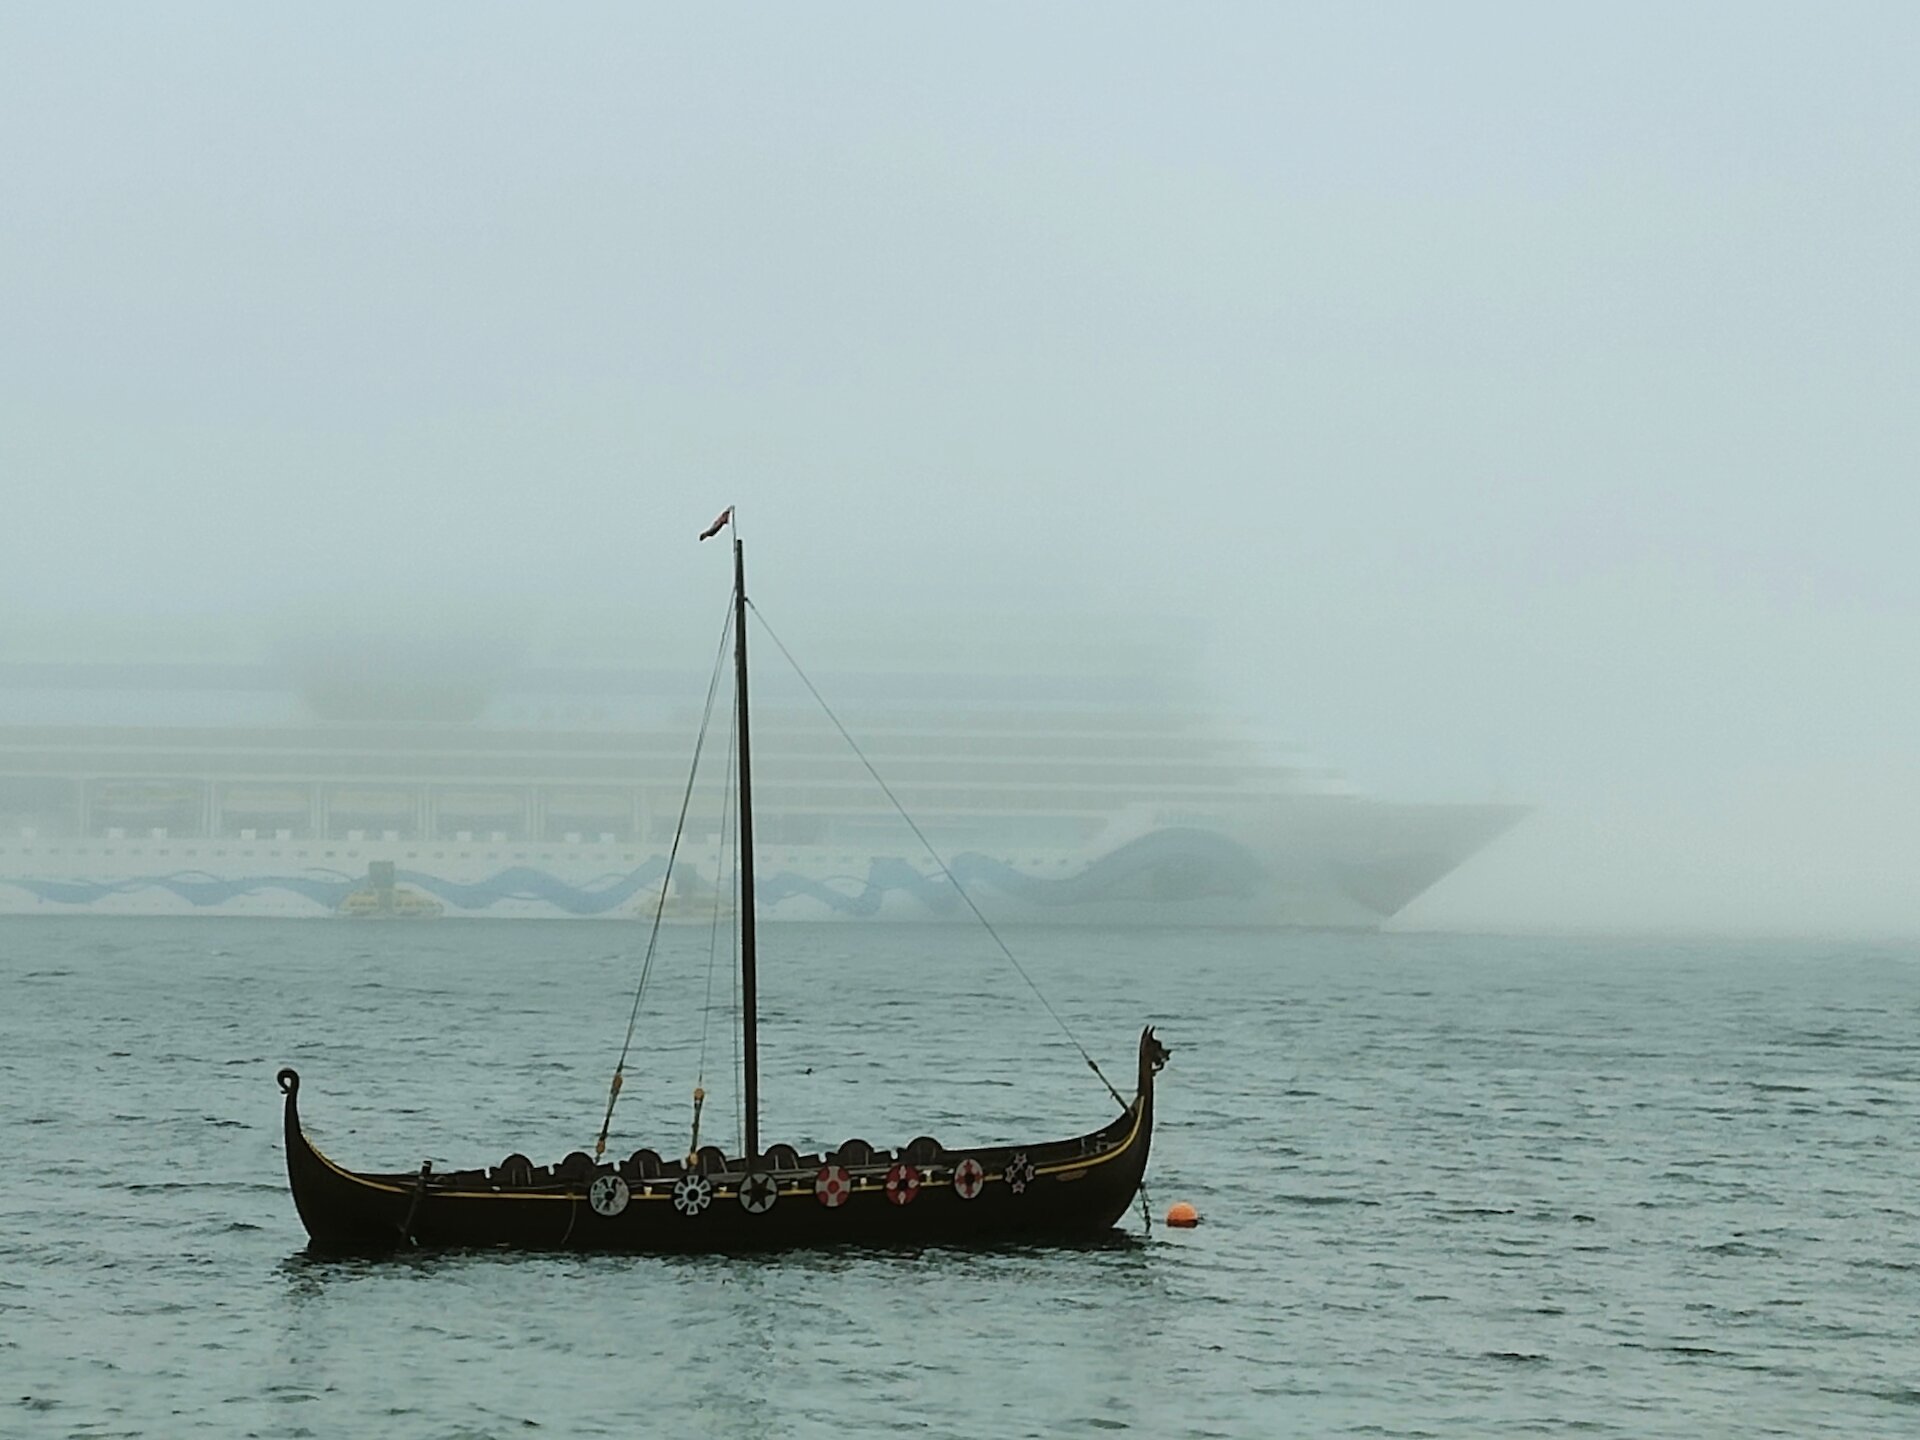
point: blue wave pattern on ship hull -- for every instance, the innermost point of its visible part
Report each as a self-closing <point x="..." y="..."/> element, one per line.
<point x="1174" y="864"/>
<point x="196" y="887"/>
<point x="326" y="889"/>
<point x="596" y="897"/>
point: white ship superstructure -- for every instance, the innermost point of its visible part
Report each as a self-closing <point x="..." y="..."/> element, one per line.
<point x="467" y="785"/>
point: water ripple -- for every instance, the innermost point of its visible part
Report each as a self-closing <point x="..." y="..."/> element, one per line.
<point x="1452" y="1187"/>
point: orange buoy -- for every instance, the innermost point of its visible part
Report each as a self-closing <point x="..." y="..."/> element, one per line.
<point x="1183" y="1215"/>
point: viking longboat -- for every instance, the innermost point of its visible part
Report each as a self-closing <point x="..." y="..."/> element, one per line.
<point x="922" y="1193"/>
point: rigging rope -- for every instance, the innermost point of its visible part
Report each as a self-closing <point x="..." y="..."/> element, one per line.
<point x="660" y="906"/>
<point x="713" y="934"/>
<point x="733" y="1029"/>
<point x="952" y="879"/>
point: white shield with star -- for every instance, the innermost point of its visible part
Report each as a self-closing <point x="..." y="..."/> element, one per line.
<point x="757" y="1194"/>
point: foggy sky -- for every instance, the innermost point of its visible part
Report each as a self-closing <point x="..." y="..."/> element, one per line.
<point x="1524" y="396"/>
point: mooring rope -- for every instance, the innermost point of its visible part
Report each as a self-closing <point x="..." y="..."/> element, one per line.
<point x="952" y="879"/>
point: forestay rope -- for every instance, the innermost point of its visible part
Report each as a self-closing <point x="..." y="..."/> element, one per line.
<point x="713" y="948"/>
<point x="940" y="862"/>
<point x="660" y="906"/>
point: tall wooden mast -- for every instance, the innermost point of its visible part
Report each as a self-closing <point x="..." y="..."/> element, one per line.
<point x="749" y="1016"/>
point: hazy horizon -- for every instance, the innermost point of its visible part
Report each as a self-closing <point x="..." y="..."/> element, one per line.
<point x="1519" y="398"/>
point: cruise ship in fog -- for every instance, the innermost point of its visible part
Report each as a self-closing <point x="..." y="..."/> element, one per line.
<point x="191" y="775"/>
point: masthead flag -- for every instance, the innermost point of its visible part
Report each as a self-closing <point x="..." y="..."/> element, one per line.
<point x="718" y="525"/>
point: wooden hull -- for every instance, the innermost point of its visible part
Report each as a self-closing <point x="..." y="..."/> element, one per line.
<point x="1073" y="1189"/>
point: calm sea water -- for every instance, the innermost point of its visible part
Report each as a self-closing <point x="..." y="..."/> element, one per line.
<point x="1451" y="1186"/>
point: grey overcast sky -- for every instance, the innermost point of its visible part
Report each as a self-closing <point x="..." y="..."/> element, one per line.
<point x="1524" y="393"/>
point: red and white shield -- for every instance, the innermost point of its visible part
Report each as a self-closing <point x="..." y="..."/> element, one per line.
<point x="968" y="1178"/>
<point x="903" y="1183"/>
<point x="832" y="1186"/>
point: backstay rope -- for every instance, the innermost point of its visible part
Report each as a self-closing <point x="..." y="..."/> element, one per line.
<point x="952" y="879"/>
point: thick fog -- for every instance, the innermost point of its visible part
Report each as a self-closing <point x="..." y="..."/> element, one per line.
<point x="1519" y="399"/>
